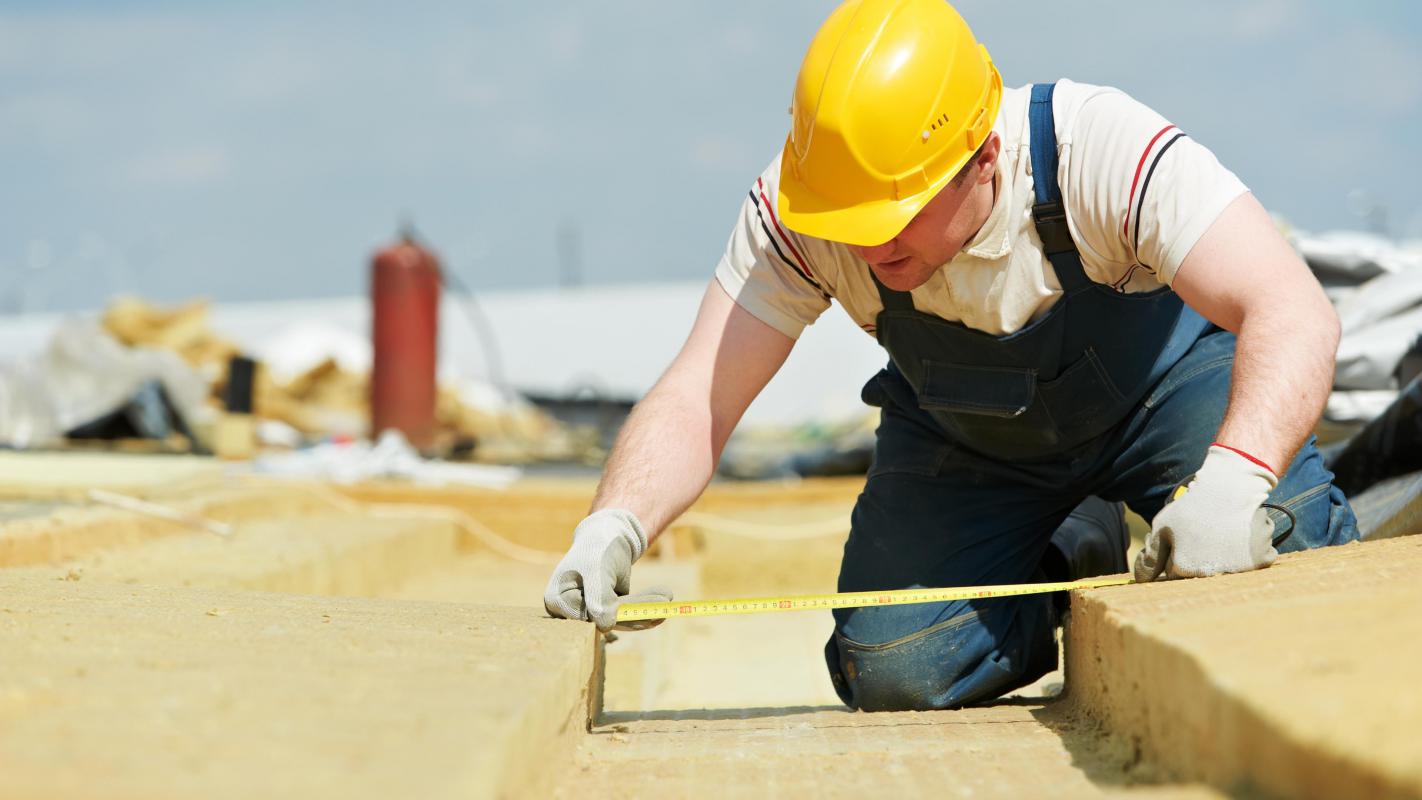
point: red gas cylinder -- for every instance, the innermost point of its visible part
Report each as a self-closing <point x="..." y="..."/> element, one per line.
<point x="404" y="297"/>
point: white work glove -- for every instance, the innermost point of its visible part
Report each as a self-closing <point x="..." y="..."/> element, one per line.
<point x="594" y="578"/>
<point x="1215" y="524"/>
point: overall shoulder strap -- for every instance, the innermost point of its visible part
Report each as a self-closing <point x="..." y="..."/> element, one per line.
<point x="1048" y="212"/>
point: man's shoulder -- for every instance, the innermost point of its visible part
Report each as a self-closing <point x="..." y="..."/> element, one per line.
<point x="1069" y="98"/>
<point x="1070" y="101"/>
<point x="1070" y="91"/>
<point x="1078" y="103"/>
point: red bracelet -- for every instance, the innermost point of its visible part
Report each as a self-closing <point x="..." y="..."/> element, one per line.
<point x="1237" y="451"/>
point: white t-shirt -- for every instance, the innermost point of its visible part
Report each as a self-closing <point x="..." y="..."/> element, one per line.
<point x="1138" y="194"/>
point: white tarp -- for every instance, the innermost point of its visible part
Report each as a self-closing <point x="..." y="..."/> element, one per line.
<point x="1355" y="256"/>
<point x="390" y="457"/>
<point x="82" y="375"/>
<point x="1376" y="287"/>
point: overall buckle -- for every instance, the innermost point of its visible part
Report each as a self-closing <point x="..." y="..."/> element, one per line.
<point x="1052" y="229"/>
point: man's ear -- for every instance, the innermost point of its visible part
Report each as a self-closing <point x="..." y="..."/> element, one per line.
<point x="986" y="165"/>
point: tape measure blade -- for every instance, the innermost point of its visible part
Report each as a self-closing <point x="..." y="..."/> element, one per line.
<point x="751" y="605"/>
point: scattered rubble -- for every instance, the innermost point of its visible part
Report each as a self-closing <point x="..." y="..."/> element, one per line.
<point x="330" y="398"/>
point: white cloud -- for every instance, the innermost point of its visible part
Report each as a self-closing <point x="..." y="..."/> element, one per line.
<point x="564" y="39"/>
<point x="530" y="139"/>
<point x="1383" y="72"/>
<point x="94" y="44"/>
<point x="478" y="93"/>
<point x="1265" y="19"/>
<point x="276" y="74"/>
<point x="718" y="153"/>
<point x="740" y="39"/>
<point x="190" y="165"/>
<point x="47" y="117"/>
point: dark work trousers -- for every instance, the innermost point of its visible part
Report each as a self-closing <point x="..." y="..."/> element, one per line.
<point x="935" y="514"/>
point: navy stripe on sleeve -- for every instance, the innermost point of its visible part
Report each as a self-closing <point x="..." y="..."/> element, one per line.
<point x="773" y="243"/>
<point x="1140" y="209"/>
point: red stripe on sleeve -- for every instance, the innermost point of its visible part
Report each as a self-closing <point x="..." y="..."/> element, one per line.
<point x="770" y="209"/>
<point x="1126" y="223"/>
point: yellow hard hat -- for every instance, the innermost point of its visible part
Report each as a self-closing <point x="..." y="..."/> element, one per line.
<point x="893" y="98"/>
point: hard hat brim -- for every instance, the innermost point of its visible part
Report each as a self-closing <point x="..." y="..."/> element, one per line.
<point x="866" y="223"/>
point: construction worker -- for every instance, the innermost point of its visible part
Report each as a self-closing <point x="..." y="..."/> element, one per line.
<point x="1077" y="301"/>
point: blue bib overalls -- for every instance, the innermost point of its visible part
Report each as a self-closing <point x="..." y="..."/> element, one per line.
<point x="986" y="444"/>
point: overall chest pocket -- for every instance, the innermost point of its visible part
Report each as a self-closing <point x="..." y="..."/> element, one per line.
<point x="1008" y="412"/>
<point x="1002" y="392"/>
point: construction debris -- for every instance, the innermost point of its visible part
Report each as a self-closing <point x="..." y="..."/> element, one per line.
<point x="157" y="511"/>
<point x="85" y="375"/>
<point x="391" y="457"/>
<point x="808" y="450"/>
<point x="91" y="370"/>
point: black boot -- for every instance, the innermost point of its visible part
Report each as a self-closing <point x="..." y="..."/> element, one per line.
<point x="1091" y="542"/>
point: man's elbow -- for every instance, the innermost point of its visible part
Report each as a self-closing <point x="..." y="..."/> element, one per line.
<point x="1324" y="319"/>
<point x="1311" y="315"/>
<point x="1334" y="331"/>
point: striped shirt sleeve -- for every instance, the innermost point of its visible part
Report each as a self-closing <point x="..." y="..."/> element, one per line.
<point x="767" y="268"/>
<point x="1142" y="189"/>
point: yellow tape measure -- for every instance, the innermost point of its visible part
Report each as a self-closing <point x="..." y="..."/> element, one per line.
<point x="631" y="612"/>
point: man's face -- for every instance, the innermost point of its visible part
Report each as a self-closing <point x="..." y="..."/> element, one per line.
<point x="939" y="230"/>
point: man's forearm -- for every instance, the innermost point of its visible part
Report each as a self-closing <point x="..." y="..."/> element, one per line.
<point x="663" y="459"/>
<point x="667" y="451"/>
<point x="1283" y="371"/>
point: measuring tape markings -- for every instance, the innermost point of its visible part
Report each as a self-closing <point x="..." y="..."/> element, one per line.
<point x="630" y="612"/>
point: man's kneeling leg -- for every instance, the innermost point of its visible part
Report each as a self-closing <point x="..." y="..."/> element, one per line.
<point x="880" y="661"/>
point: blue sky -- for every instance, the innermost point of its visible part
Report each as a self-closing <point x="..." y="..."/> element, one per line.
<point x="249" y="151"/>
